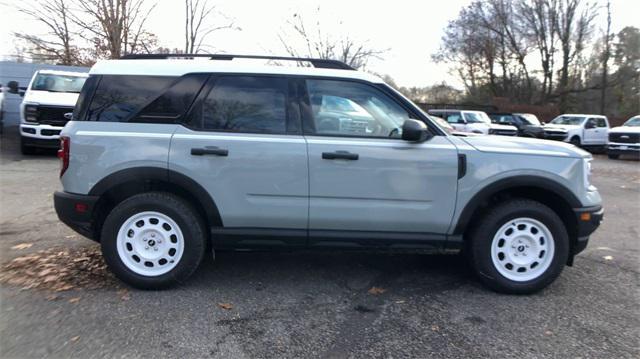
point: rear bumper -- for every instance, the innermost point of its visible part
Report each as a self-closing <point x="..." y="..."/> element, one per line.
<point x="588" y="219"/>
<point x="76" y="211"/>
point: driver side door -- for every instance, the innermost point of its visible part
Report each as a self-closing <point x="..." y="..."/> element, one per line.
<point x="365" y="183"/>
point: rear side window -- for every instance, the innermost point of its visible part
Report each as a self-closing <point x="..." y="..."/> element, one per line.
<point x="83" y="99"/>
<point x="117" y="98"/>
<point x="250" y="104"/>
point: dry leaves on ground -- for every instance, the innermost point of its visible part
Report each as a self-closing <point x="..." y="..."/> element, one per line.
<point x="59" y="270"/>
<point x="226" y="306"/>
<point x="376" y="290"/>
<point x="22" y="246"/>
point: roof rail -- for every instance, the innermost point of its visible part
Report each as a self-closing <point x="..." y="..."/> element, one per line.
<point x="317" y="63"/>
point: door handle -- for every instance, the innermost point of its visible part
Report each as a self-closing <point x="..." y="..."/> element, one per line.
<point x="210" y="150"/>
<point x="340" y="155"/>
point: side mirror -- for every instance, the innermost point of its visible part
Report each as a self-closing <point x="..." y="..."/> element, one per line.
<point x="13" y="87"/>
<point x="415" y="131"/>
<point x="462" y="120"/>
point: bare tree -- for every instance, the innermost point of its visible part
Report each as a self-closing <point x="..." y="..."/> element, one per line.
<point x="116" y="27"/>
<point x="606" y="54"/>
<point x="196" y="27"/>
<point x="315" y="43"/>
<point x="575" y="24"/>
<point x="57" y="46"/>
<point x="540" y="19"/>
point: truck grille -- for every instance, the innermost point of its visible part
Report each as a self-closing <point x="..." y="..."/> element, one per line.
<point x="53" y="115"/>
<point x="624" y="137"/>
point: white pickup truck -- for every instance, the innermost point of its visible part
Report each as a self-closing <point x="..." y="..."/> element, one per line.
<point x="579" y="130"/>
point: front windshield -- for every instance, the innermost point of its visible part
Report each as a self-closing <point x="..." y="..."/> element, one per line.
<point x="633" y="122"/>
<point x="58" y="83"/>
<point x="531" y="119"/>
<point x="476" y="117"/>
<point x="568" y="120"/>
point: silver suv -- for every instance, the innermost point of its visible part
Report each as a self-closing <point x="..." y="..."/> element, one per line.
<point x="170" y="156"/>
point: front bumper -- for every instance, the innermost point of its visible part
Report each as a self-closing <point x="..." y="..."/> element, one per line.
<point x="35" y="135"/>
<point x="76" y="211"/>
<point x="556" y="136"/>
<point x="614" y="148"/>
<point x="588" y="219"/>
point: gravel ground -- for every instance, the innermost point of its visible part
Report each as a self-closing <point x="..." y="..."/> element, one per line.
<point x="308" y="304"/>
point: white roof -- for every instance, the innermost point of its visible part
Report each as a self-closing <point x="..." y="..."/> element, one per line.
<point x="581" y="115"/>
<point x="64" y="73"/>
<point x="179" y="67"/>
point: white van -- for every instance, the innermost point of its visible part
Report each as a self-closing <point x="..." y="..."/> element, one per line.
<point x="47" y="106"/>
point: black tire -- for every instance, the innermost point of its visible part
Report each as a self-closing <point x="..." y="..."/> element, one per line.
<point x="181" y="212"/>
<point x="482" y="235"/>
<point x="26" y="150"/>
<point x="612" y="156"/>
<point x="575" y="140"/>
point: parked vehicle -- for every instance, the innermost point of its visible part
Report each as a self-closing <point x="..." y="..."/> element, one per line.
<point x="47" y="106"/>
<point x="449" y="129"/>
<point x="625" y="139"/>
<point x="526" y="123"/>
<point x="474" y="122"/>
<point x="579" y="130"/>
<point x="166" y="158"/>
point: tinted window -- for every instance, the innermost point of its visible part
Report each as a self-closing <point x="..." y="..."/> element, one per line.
<point x="117" y="98"/>
<point x="600" y="122"/>
<point x="85" y="94"/>
<point x="454" y="117"/>
<point x="175" y="101"/>
<point x="353" y="109"/>
<point x="246" y="104"/>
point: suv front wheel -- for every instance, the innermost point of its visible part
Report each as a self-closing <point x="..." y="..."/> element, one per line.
<point x="153" y="240"/>
<point x="519" y="247"/>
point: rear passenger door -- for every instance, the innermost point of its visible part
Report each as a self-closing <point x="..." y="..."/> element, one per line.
<point x="242" y="142"/>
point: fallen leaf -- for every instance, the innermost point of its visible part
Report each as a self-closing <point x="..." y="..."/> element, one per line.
<point x="124" y="294"/>
<point x="52" y="297"/>
<point x="22" y="246"/>
<point x="74" y="300"/>
<point x="75" y="339"/>
<point x="548" y="333"/>
<point x="608" y="258"/>
<point x="435" y="328"/>
<point x="226" y="306"/>
<point x="376" y="290"/>
<point x="400" y="302"/>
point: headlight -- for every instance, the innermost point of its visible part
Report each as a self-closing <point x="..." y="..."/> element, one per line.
<point x="587" y="172"/>
<point x="31" y="112"/>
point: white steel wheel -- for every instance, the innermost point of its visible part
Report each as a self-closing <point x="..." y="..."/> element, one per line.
<point x="522" y="249"/>
<point x="150" y="243"/>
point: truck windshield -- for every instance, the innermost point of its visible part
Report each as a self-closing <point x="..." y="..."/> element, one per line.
<point x="476" y="117"/>
<point x="58" y="83"/>
<point x="633" y="122"/>
<point x="568" y="120"/>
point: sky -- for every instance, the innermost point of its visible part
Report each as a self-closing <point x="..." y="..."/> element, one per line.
<point x="408" y="31"/>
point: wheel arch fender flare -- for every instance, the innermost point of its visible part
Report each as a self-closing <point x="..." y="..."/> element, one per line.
<point x="509" y="183"/>
<point x="176" y="181"/>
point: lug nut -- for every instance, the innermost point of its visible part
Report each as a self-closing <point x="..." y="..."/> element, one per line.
<point x="146" y="247"/>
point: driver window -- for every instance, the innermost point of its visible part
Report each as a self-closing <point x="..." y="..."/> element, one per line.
<point x="591" y="123"/>
<point x="342" y="108"/>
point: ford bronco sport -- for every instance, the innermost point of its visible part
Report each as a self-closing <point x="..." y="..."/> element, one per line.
<point x="168" y="156"/>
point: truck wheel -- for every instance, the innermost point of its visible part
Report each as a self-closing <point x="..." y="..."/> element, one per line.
<point x="153" y="240"/>
<point x="519" y="247"/>
<point x="575" y="140"/>
<point x="612" y="156"/>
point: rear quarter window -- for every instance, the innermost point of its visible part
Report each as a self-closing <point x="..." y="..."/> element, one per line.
<point x="118" y="98"/>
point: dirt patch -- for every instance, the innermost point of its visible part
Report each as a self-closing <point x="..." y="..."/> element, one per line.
<point x="59" y="270"/>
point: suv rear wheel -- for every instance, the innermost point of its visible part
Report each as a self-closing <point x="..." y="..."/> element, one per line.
<point x="519" y="247"/>
<point x="153" y="240"/>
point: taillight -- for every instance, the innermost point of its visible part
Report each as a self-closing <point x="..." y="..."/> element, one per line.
<point x="63" y="153"/>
